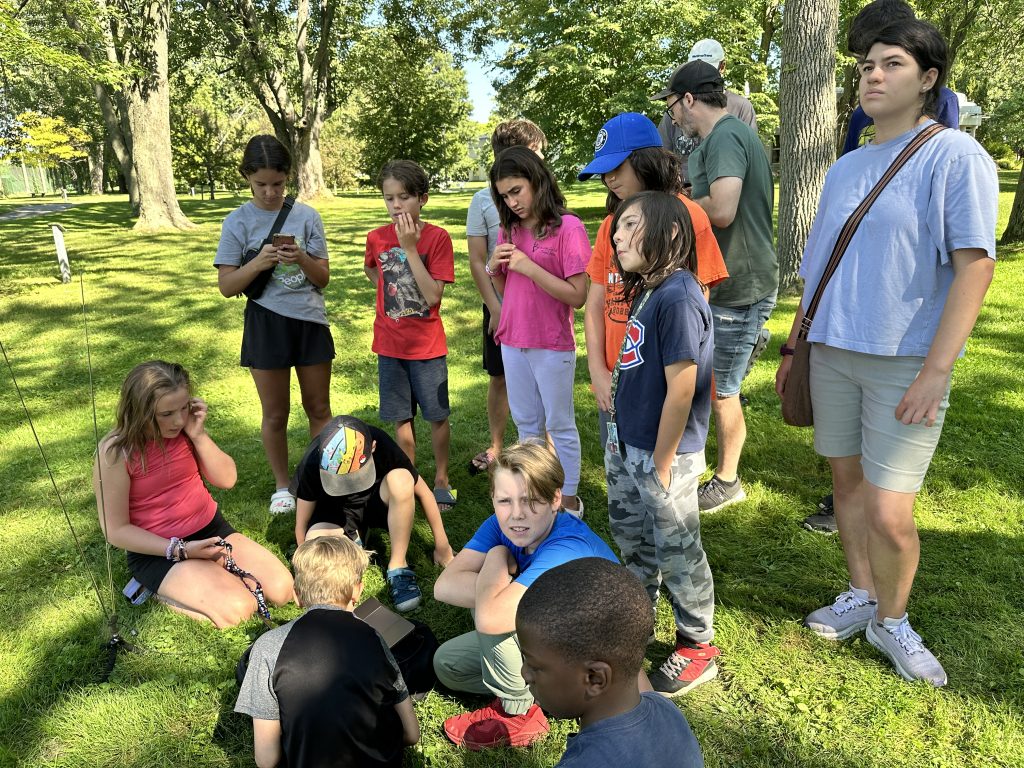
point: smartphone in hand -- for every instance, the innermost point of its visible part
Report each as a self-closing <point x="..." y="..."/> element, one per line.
<point x="281" y="238"/>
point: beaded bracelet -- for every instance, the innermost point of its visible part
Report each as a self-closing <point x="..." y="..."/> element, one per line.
<point x="171" y="545"/>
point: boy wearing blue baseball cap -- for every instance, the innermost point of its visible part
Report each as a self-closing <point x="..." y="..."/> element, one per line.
<point x="354" y="477"/>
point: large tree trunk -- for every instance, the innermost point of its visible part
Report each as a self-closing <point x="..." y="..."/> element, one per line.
<point x="148" y="103"/>
<point x="309" y="165"/>
<point x="807" y="114"/>
<point x="1014" y="232"/>
<point x="96" y="168"/>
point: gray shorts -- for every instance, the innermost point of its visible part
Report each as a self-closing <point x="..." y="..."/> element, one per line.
<point x="855" y="397"/>
<point x="405" y="384"/>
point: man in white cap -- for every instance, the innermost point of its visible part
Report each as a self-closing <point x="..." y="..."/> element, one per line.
<point x="673" y="138"/>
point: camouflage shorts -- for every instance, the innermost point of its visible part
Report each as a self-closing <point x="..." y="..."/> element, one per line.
<point x="658" y="534"/>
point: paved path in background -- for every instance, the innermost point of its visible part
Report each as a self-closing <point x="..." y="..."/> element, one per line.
<point x="34" y="210"/>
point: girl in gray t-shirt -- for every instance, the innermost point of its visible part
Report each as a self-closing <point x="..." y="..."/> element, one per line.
<point x="286" y="324"/>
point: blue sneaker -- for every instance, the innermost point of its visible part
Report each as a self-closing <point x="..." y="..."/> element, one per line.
<point x="405" y="593"/>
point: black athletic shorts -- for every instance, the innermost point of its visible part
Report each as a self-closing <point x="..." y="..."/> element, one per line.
<point x="493" y="363"/>
<point x="271" y="341"/>
<point x="150" y="570"/>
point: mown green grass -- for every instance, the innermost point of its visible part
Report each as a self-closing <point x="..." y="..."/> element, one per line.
<point x="784" y="697"/>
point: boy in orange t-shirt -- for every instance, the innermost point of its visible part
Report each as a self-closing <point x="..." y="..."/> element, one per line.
<point x="629" y="156"/>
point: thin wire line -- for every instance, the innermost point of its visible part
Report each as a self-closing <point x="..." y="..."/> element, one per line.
<point x="53" y="482"/>
<point x="96" y="438"/>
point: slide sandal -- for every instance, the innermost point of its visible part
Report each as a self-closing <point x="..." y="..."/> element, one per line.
<point x="446" y="498"/>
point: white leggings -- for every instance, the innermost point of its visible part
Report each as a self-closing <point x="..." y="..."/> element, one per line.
<point x="540" y="397"/>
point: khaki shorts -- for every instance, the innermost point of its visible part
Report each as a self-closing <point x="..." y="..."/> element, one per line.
<point x="855" y="397"/>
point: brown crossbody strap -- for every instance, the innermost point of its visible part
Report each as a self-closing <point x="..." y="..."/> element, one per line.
<point x="850" y="227"/>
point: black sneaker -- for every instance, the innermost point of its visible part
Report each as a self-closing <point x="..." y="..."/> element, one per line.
<point x="716" y="494"/>
<point x="824" y="520"/>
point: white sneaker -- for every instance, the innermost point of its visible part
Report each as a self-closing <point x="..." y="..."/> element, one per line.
<point x="905" y="650"/>
<point x="847" y="616"/>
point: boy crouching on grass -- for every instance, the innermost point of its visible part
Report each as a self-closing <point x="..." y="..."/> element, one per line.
<point x="324" y="689"/>
<point x="526" y="536"/>
<point x="583" y="629"/>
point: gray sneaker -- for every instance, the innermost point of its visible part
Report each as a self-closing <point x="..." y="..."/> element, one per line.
<point x="907" y="653"/>
<point x="847" y="616"/>
<point x="715" y="494"/>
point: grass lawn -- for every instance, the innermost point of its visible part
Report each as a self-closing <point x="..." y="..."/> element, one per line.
<point x="783" y="698"/>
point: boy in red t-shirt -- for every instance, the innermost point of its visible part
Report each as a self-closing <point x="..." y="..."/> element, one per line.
<point x="410" y="261"/>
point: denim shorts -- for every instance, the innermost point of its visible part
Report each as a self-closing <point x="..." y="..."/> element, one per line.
<point x="406" y="384"/>
<point x="736" y="331"/>
<point x="854" y="396"/>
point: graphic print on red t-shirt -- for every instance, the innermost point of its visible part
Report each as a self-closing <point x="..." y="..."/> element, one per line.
<point x="402" y="297"/>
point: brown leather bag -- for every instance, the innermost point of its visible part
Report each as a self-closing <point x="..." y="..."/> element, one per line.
<point x="796" y="396"/>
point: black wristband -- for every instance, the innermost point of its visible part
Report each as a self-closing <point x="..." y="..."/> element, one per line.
<point x="784" y="350"/>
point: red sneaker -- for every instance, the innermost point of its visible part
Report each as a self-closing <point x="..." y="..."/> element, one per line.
<point x="685" y="669"/>
<point x="491" y="726"/>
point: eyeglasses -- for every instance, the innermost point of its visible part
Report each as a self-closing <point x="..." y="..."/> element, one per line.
<point x="668" y="107"/>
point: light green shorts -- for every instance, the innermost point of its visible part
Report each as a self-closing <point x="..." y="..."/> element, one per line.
<point x="855" y="397"/>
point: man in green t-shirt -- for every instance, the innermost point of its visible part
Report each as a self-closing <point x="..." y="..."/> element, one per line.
<point x="732" y="182"/>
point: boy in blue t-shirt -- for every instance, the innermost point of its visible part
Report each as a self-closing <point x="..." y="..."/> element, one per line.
<point x="583" y="628"/>
<point x="525" y="537"/>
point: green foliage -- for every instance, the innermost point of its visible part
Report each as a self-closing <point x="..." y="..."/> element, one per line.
<point x="210" y="123"/>
<point x="571" y="67"/>
<point x="412" y="103"/>
<point x="46" y="141"/>
<point x="341" y="149"/>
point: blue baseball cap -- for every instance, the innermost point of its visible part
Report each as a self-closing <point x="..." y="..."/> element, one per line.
<point x="617" y="139"/>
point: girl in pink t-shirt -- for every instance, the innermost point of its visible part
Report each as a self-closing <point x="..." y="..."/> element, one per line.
<point x="153" y="503"/>
<point x="539" y="267"/>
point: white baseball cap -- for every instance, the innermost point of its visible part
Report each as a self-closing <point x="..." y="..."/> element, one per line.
<point x="708" y="50"/>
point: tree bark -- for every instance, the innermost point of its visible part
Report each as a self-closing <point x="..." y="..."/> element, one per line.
<point x="807" y="115"/>
<point x="1014" y="232"/>
<point x="148" y="101"/>
<point x="96" y="169"/>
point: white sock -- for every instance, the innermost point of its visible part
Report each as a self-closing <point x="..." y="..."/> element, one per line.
<point x="893" y="623"/>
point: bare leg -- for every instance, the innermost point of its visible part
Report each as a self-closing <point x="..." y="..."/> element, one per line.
<point x="848" y="499"/>
<point x="893" y="547"/>
<point x="440" y="437"/>
<point x="315" y="385"/>
<point x="405" y="436"/>
<point x="397" y="492"/>
<point x="497" y="412"/>
<point x="272" y="386"/>
<point x="731" y="430"/>
<point x="202" y="588"/>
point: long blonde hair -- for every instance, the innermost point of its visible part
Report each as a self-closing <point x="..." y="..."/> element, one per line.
<point x="136" y="411"/>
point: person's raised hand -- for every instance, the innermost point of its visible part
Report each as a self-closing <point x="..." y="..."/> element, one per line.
<point x="266" y="259"/>
<point x="518" y="261"/>
<point x="195" y="425"/>
<point x="408" y="231"/>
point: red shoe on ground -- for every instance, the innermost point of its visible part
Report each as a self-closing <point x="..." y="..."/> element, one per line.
<point x="685" y="669"/>
<point x="491" y="726"/>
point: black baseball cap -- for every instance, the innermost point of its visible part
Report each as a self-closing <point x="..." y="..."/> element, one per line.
<point x="693" y="77"/>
